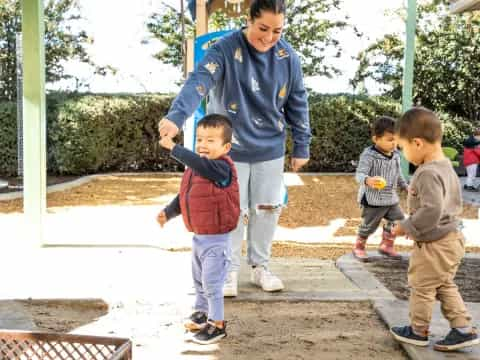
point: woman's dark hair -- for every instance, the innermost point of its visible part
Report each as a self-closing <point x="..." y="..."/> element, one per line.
<point x="275" y="6"/>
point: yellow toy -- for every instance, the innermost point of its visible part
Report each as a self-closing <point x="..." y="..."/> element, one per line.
<point x="381" y="183"/>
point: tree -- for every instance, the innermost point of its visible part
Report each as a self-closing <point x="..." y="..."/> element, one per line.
<point x="310" y="34"/>
<point x="61" y="42"/>
<point x="447" y="71"/>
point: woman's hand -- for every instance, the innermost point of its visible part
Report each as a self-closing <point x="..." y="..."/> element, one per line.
<point x="297" y="163"/>
<point x="167" y="128"/>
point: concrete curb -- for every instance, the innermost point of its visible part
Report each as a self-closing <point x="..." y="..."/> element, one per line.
<point x="80" y="181"/>
<point x="13" y="316"/>
<point x="394" y="312"/>
<point x="361" y="277"/>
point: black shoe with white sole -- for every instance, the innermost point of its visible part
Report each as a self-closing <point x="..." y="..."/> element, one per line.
<point x="455" y="340"/>
<point x="210" y="334"/>
<point x="405" y="334"/>
<point x="197" y="321"/>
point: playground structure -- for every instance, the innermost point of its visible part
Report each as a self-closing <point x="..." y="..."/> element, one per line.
<point x="34" y="129"/>
<point x="195" y="48"/>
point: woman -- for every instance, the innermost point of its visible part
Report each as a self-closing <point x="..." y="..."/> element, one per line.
<point x="256" y="80"/>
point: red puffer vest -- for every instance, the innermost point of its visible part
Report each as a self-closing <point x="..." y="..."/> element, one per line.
<point x="207" y="208"/>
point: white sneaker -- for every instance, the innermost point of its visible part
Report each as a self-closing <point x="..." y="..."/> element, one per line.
<point x="230" y="287"/>
<point x="263" y="278"/>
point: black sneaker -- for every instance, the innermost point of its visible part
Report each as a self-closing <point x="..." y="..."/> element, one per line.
<point x="457" y="340"/>
<point x="470" y="188"/>
<point x="210" y="334"/>
<point x="196" y="321"/>
<point x="405" y="334"/>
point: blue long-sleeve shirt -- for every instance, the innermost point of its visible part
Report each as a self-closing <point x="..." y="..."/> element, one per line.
<point x="261" y="93"/>
<point x="218" y="171"/>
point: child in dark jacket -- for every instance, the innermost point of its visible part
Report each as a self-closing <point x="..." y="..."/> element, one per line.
<point x="209" y="203"/>
<point x="471" y="159"/>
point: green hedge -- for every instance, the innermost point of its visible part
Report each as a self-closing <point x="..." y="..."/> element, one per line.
<point x="455" y="130"/>
<point x="100" y="133"/>
<point x="341" y="129"/>
<point x="93" y="133"/>
<point x="8" y="139"/>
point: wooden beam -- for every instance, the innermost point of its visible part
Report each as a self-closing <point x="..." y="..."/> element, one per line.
<point x="202" y="17"/>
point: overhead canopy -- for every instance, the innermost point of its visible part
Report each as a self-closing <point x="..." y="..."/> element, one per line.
<point x="460" y="6"/>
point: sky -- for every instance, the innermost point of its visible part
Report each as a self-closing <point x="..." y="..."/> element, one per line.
<point x="118" y="28"/>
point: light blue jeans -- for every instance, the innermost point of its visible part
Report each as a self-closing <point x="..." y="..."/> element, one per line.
<point x="210" y="261"/>
<point x="260" y="184"/>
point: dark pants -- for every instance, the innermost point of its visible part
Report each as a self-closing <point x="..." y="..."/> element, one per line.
<point x="372" y="216"/>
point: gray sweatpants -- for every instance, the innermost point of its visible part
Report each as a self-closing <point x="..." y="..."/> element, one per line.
<point x="372" y="216"/>
<point x="210" y="261"/>
<point x="260" y="184"/>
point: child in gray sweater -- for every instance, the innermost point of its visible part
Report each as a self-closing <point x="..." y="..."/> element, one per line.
<point x="379" y="175"/>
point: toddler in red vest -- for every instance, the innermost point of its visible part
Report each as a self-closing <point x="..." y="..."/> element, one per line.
<point x="210" y="206"/>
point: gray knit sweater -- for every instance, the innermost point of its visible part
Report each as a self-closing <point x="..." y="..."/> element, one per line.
<point x="375" y="163"/>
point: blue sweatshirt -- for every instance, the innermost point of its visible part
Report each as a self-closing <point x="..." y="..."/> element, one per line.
<point x="261" y="93"/>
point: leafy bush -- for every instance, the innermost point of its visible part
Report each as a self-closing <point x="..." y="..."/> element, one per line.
<point x="8" y="139"/>
<point x="341" y="129"/>
<point x="101" y="133"/>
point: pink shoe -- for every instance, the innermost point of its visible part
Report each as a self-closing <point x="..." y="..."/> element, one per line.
<point x="386" y="246"/>
<point x="359" y="249"/>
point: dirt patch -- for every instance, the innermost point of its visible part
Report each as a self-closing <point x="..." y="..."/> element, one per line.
<point x="310" y="330"/>
<point x="325" y="198"/>
<point x="321" y="200"/>
<point x="64" y="315"/>
<point x="295" y="330"/>
<point x="393" y="275"/>
<point x="108" y="190"/>
<point x="323" y="251"/>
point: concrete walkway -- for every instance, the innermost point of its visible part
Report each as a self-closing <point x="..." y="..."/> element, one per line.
<point x="117" y="254"/>
<point x="395" y="312"/>
<point x="149" y="291"/>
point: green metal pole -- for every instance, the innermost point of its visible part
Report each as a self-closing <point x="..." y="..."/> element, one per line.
<point x="34" y="129"/>
<point x="409" y="55"/>
<point x="407" y="94"/>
